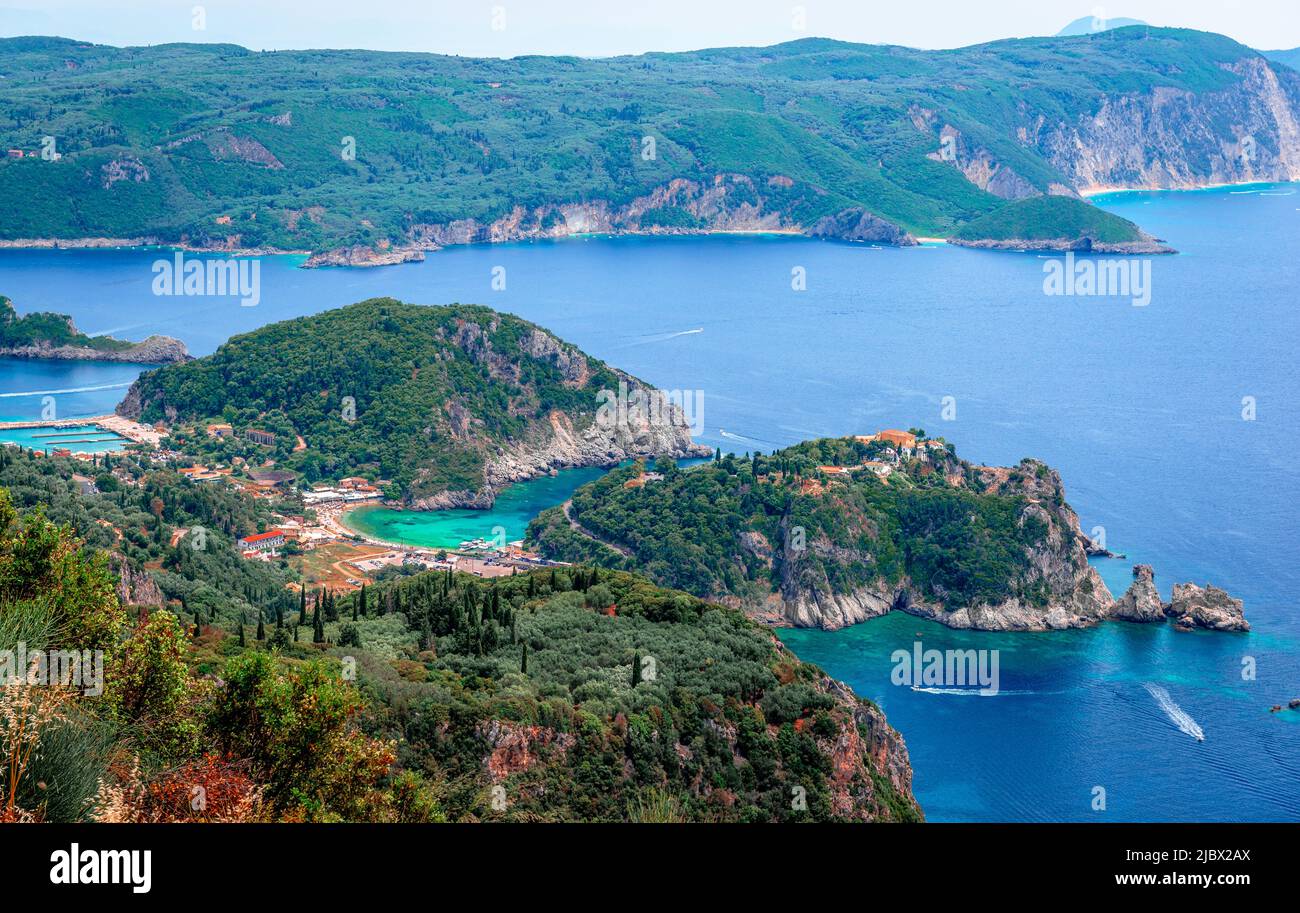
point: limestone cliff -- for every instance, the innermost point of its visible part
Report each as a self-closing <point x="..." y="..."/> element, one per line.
<point x="1171" y="138"/>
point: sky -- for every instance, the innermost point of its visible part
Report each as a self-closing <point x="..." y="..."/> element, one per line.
<point x="597" y="28"/>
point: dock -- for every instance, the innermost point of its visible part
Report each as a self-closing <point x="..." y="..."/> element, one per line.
<point x="108" y="424"/>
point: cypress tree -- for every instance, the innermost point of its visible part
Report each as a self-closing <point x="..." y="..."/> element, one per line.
<point x="240" y="623"/>
<point x="197" y="626"/>
<point x="362" y="597"/>
<point x="302" y="603"/>
<point x="636" y="669"/>
<point x="356" y="602"/>
<point x="261" y="628"/>
<point x="523" y="661"/>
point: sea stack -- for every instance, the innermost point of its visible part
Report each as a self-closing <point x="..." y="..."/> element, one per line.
<point x="1141" y="603"/>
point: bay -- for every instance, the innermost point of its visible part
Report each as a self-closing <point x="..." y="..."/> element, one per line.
<point x="1174" y="426"/>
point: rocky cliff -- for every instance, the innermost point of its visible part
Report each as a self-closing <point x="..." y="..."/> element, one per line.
<point x="1069" y="593"/>
<point x="1141" y="602"/>
<point x="452" y="403"/>
<point x="724" y="203"/>
<point x="1190" y="606"/>
<point x="1172" y="138"/>
<point x="834" y="532"/>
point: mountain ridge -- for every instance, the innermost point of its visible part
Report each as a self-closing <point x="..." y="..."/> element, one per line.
<point x="223" y="149"/>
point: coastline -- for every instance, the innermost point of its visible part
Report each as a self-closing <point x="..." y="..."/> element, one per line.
<point x="362" y="256"/>
<point x="1089" y="193"/>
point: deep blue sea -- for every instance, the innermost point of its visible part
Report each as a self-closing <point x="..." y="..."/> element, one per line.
<point x="1140" y="408"/>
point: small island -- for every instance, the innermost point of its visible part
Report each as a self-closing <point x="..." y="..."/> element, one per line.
<point x="47" y="335"/>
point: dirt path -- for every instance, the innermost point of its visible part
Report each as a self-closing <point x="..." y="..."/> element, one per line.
<point x="582" y="530"/>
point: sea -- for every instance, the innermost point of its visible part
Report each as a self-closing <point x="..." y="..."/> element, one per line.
<point x="1173" y="417"/>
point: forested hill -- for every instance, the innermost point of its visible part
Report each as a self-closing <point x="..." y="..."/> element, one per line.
<point x="446" y="404"/>
<point x="568" y="694"/>
<point x="835" y="531"/>
<point x="368" y="154"/>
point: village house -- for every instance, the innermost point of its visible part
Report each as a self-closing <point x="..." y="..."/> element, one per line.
<point x="258" y="436"/>
<point x="220" y="430"/>
<point x="356" y="483"/>
<point x="268" y="541"/>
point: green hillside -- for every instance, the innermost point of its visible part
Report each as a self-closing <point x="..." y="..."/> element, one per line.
<point x="950" y="531"/>
<point x="568" y="695"/>
<point x="217" y="145"/>
<point x="47" y="329"/>
<point x="418" y="396"/>
<point x="1050" y="219"/>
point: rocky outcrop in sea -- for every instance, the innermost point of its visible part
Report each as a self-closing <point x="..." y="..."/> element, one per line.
<point x="155" y="350"/>
<point x="1209" y="607"/>
<point x="1141" y="603"/>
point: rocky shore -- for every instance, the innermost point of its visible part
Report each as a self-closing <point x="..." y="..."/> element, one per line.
<point x="1146" y="247"/>
<point x="562" y="446"/>
<point x="1191" y="607"/>
<point x="155" y="350"/>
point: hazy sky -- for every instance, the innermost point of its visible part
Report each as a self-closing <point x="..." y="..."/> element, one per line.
<point x="604" y="27"/>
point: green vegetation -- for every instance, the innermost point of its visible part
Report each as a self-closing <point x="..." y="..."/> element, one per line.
<point x="414" y="395"/>
<point x="46" y="329"/>
<point x="216" y="144"/>
<point x="1050" y="219"/>
<point x="136" y="513"/>
<point x="728" y="528"/>
<point x="562" y="695"/>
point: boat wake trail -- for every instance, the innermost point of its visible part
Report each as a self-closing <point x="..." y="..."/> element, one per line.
<point x="69" y="390"/>
<point x="740" y="437"/>
<point x="659" y="337"/>
<point x="1176" y="714"/>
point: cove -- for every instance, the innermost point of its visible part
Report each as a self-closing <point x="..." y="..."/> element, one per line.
<point x="514" y="507"/>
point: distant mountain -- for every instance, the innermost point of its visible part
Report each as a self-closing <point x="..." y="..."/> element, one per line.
<point x="1291" y="58"/>
<point x="449" y="404"/>
<point x="367" y="157"/>
<point x="1090" y="24"/>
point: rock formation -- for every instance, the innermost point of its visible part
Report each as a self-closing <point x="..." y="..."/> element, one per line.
<point x="1211" y="607"/>
<point x="1141" y="603"/>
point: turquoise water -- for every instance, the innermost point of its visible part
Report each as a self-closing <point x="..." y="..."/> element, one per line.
<point x="514" y="507"/>
<point x="78" y="440"/>
<point x="1139" y="407"/>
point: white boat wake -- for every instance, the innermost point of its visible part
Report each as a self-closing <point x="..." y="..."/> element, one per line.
<point x="69" y="390"/>
<point x="1177" y="715"/>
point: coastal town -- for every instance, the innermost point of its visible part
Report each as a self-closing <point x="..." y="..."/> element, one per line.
<point x="306" y="521"/>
